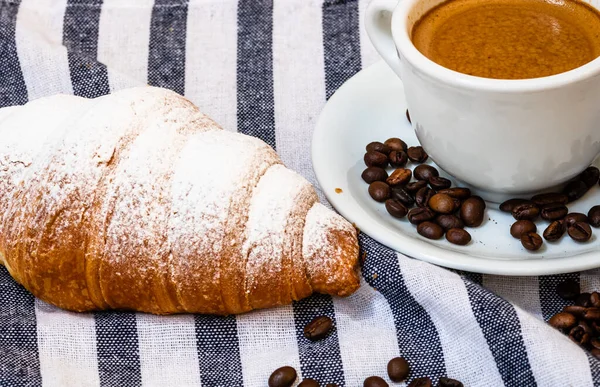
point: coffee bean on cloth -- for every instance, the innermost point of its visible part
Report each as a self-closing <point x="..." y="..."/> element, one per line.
<point x="375" y="381"/>
<point x="318" y="328"/>
<point x="282" y="377"/>
<point x="398" y="369"/>
<point x="309" y="383"/>
<point x="266" y="69"/>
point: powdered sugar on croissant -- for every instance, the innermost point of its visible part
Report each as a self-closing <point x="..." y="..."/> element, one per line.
<point x="138" y="201"/>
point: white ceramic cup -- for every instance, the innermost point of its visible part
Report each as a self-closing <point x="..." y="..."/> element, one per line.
<point x="504" y="138"/>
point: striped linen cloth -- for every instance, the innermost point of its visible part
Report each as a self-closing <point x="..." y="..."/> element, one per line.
<point x="264" y="68"/>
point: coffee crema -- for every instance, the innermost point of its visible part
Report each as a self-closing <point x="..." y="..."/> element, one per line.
<point x="509" y="39"/>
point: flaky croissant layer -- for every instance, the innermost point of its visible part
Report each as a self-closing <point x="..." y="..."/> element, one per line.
<point x="138" y="201"/>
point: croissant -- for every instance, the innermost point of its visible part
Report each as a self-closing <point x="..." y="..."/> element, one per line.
<point x="138" y="201"/>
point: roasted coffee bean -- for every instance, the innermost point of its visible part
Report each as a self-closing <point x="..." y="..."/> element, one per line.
<point x="595" y="352"/>
<point x="379" y="191"/>
<point x="575" y="310"/>
<point x="449" y="221"/>
<point x="584" y="300"/>
<point x="553" y="211"/>
<point x="400" y="176"/>
<point x="309" y="383"/>
<point x="331" y="385"/>
<point x="458" y="236"/>
<point x="402" y="195"/>
<point x="420" y="382"/>
<point x="575" y="217"/>
<point x="396" y="208"/>
<point x="563" y="321"/>
<point x="375" y="159"/>
<point x="377" y="146"/>
<point x="417" y="154"/>
<point x="580" y="232"/>
<point x="375" y="381"/>
<point x="575" y="189"/>
<point x="396" y="144"/>
<point x="526" y="211"/>
<point x="590" y="176"/>
<point x="282" y="377"/>
<point x="595" y="342"/>
<point x="398" y="159"/>
<point x="472" y="210"/>
<point x="408" y="116"/>
<point x="430" y="230"/>
<point x="531" y="241"/>
<point x="437" y="182"/>
<point x="550" y="198"/>
<point x="581" y="333"/>
<point x="372" y="174"/>
<point x="521" y="227"/>
<point x="420" y="214"/>
<point x="554" y="231"/>
<point x="318" y="328"/>
<point x="442" y="204"/>
<point x="415" y="186"/>
<point x="457" y="192"/>
<point x="398" y="369"/>
<point x="568" y="289"/>
<point x="510" y="204"/>
<point x="592" y="314"/>
<point x="425" y="172"/>
<point x="447" y="382"/>
<point x="595" y="299"/>
<point x="457" y="204"/>
<point x="423" y="196"/>
<point x="594" y="216"/>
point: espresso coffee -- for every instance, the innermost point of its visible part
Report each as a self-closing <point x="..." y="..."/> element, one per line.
<point x="509" y="39"/>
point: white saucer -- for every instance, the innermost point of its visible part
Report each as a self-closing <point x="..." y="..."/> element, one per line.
<point x="371" y="107"/>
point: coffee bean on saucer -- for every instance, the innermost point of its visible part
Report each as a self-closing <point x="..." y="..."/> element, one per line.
<point x="372" y="174"/>
<point x="458" y="236"/>
<point x="550" y="198"/>
<point x="438" y="183"/>
<point x="441" y="203"/>
<point x="417" y="154"/>
<point x="554" y="231"/>
<point x="460" y="193"/>
<point x="594" y="216"/>
<point x="283" y="377"/>
<point x="376" y="159"/>
<point x="563" y="321"/>
<point x="402" y="195"/>
<point x="580" y="232"/>
<point x="568" y="289"/>
<point x="447" y="382"/>
<point x="309" y="383"/>
<point x="590" y="176"/>
<point x="521" y="227"/>
<point x="510" y="204"/>
<point x="531" y="241"/>
<point x="526" y="211"/>
<point x="398" y="369"/>
<point x="575" y="190"/>
<point x="400" y="176"/>
<point x="420" y="382"/>
<point x="472" y="210"/>
<point x="375" y="381"/>
<point x="408" y="116"/>
<point x="581" y="333"/>
<point x="553" y="211"/>
<point x="396" y="208"/>
<point x="420" y="214"/>
<point x="396" y="144"/>
<point x="318" y="328"/>
<point x="377" y="146"/>
<point x="449" y="221"/>
<point x="430" y="230"/>
<point x="425" y="172"/>
<point x="379" y="191"/>
<point x="415" y="186"/>
<point x="423" y="196"/>
<point x="575" y="217"/>
<point x="584" y="300"/>
<point x="398" y="159"/>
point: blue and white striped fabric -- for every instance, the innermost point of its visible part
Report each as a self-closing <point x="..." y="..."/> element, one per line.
<point x="264" y="68"/>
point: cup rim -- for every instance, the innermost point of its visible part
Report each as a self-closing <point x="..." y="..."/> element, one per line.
<point x="410" y="53"/>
